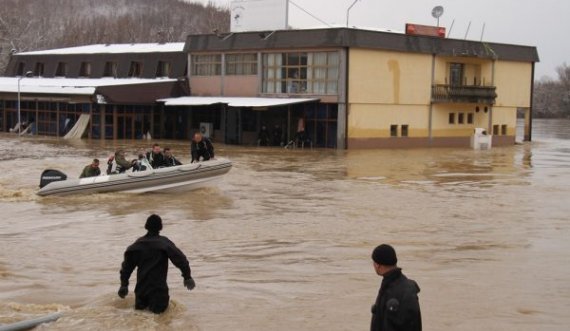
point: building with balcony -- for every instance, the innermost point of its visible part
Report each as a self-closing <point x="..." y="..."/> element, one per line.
<point x="351" y="88"/>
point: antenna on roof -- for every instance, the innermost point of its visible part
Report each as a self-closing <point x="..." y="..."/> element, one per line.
<point x="467" y="32"/>
<point x="482" y="31"/>
<point x="450" y="28"/>
<point x="436" y="12"/>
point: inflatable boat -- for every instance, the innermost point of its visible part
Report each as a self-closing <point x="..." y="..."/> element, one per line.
<point x="172" y="179"/>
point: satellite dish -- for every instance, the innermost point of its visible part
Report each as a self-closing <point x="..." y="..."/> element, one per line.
<point x="437" y="11"/>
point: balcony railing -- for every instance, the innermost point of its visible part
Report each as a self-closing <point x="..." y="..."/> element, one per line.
<point x="463" y="94"/>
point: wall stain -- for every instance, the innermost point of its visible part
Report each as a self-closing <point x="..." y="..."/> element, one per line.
<point x="394" y="67"/>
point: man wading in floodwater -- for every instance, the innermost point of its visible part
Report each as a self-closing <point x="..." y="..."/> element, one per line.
<point x="150" y="255"/>
<point x="397" y="307"/>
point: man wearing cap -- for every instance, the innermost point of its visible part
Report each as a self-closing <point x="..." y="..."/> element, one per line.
<point x="150" y="254"/>
<point x="397" y="307"/>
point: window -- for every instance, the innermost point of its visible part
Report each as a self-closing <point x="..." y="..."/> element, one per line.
<point x="393" y="130"/>
<point x="163" y="69"/>
<point x="135" y="70"/>
<point x="495" y="129"/>
<point x="469" y="118"/>
<point x="85" y="70"/>
<point x="61" y="69"/>
<point x="456" y="74"/>
<point x="241" y="64"/>
<point x="39" y="69"/>
<point x="207" y="65"/>
<point x="20" y="69"/>
<point x="298" y="73"/>
<point x="460" y="118"/>
<point x="404" y="130"/>
<point x="110" y="69"/>
<point x="451" y="118"/>
<point x="504" y="129"/>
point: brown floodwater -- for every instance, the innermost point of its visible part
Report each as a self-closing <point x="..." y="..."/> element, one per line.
<point x="284" y="241"/>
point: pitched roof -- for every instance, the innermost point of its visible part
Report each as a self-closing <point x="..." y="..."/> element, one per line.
<point x="112" y="49"/>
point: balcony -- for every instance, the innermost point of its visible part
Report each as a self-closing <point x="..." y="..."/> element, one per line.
<point x="463" y="94"/>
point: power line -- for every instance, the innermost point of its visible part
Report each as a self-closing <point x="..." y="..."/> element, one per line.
<point x="309" y="13"/>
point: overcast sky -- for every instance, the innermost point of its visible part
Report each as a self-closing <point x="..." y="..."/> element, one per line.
<point x="541" y="23"/>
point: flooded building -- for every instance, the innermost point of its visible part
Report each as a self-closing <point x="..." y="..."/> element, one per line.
<point x="351" y="88"/>
<point x="109" y="91"/>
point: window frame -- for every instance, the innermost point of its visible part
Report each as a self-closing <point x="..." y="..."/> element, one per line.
<point x="204" y="65"/>
<point x="237" y="64"/>
<point x="85" y="69"/>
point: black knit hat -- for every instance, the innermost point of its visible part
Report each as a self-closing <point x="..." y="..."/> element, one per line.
<point x="153" y="223"/>
<point x="385" y="255"/>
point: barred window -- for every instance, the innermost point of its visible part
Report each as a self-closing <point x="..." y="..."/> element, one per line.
<point x="241" y="64"/>
<point x="207" y="65"/>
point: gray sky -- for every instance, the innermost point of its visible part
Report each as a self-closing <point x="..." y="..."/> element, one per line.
<point x="541" y="23"/>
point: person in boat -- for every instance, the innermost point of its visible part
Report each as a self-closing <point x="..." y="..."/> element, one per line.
<point x="397" y="307"/>
<point x="169" y="158"/>
<point x="91" y="170"/>
<point x="263" y="138"/>
<point x="121" y="162"/>
<point x="201" y="147"/>
<point x="142" y="163"/>
<point x="155" y="157"/>
<point x="150" y="255"/>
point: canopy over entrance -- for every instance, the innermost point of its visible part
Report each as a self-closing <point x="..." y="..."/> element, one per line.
<point x="234" y="101"/>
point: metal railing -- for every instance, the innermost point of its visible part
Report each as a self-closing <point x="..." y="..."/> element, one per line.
<point x="463" y="94"/>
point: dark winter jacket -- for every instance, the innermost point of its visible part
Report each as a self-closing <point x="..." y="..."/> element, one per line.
<point x="397" y="307"/>
<point x="203" y="149"/>
<point x="156" y="160"/>
<point x="150" y="254"/>
<point x="171" y="161"/>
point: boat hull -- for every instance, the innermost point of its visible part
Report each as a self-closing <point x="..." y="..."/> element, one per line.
<point x="172" y="179"/>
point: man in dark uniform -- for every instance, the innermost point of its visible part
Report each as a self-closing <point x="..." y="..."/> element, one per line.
<point x="150" y="254"/>
<point x="91" y="170"/>
<point x="397" y="307"/>
<point x="155" y="157"/>
<point x="169" y="158"/>
<point x="201" y="147"/>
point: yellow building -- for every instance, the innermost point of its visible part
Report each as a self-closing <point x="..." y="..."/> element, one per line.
<point x="350" y="88"/>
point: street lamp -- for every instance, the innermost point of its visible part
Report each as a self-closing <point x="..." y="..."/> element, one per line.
<point x="348" y="11"/>
<point x="28" y="74"/>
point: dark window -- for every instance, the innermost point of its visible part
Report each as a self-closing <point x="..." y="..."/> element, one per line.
<point x="39" y="69"/>
<point x="393" y="130"/>
<point x="20" y="69"/>
<point x="460" y="118"/>
<point x="504" y="129"/>
<point x="495" y="129"/>
<point x="163" y="69"/>
<point x="136" y="69"/>
<point x="404" y="130"/>
<point x="469" y="118"/>
<point x="61" y="70"/>
<point x="110" y="69"/>
<point x="456" y="74"/>
<point x="451" y="118"/>
<point x="85" y="70"/>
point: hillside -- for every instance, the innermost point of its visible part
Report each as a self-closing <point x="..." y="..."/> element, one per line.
<point x="42" y="24"/>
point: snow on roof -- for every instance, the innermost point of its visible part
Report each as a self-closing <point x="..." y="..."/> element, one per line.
<point x="234" y="101"/>
<point x="112" y="49"/>
<point x="76" y="86"/>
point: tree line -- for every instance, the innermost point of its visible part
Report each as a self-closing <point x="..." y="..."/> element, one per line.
<point x="552" y="96"/>
<point x="43" y="24"/>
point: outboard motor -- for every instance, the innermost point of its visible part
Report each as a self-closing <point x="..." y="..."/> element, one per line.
<point x="51" y="175"/>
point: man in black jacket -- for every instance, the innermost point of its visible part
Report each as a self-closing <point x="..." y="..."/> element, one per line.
<point x="397" y="307"/>
<point x="150" y="254"/>
<point x="155" y="157"/>
<point x="201" y="147"/>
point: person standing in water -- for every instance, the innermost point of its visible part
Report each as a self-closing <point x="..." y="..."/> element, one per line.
<point x="150" y="255"/>
<point x="397" y="307"/>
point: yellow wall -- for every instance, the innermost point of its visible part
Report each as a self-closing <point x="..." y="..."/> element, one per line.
<point x="440" y="120"/>
<point x="382" y="77"/>
<point x="373" y="121"/>
<point x="513" y="82"/>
